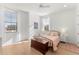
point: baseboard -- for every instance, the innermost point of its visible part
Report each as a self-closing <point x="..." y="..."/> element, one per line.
<point x="24" y="40"/>
<point x="77" y="45"/>
<point x="13" y="43"/>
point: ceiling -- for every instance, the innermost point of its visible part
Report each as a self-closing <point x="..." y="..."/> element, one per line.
<point x="35" y="7"/>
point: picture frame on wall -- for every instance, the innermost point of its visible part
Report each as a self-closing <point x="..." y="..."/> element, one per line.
<point x="35" y="25"/>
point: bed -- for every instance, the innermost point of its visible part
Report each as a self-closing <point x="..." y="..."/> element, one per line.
<point x="44" y="41"/>
<point x="54" y="39"/>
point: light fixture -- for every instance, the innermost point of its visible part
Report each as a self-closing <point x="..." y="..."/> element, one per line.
<point x="63" y="30"/>
<point x="44" y="5"/>
<point x="65" y="5"/>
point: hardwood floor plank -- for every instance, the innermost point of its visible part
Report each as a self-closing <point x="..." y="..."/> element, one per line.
<point x="24" y="48"/>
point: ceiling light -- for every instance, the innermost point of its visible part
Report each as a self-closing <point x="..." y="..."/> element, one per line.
<point x="44" y="6"/>
<point x="65" y="5"/>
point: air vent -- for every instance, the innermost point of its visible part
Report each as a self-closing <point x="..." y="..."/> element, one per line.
<point x="44" y="6"/>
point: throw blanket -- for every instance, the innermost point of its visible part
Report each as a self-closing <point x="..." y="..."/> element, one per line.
<point x="53" y="41"/>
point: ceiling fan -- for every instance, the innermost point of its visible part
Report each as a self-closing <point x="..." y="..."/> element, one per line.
<point x="44" y="6"/>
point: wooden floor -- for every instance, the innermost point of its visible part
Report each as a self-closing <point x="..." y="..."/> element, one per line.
<point x="24" y="48"/>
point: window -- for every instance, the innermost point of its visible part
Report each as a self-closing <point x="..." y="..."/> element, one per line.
<point x="10" y="21"/>
<point x="46" y="23"/>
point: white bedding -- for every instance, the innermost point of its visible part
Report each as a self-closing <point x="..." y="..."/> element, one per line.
<point x="54" y="39"/>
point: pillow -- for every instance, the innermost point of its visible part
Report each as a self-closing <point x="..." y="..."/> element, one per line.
<point x="54" y="33"/>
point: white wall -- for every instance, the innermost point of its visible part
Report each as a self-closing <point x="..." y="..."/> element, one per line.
<point x="77" y="24"/>
<point x="23" y="25"/>
<point x="1" y="24"/>
<point x="1" y="21"/>
<point x="65" y="19"/>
